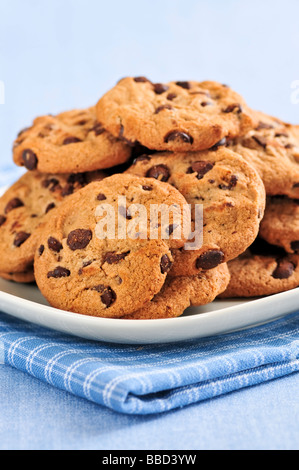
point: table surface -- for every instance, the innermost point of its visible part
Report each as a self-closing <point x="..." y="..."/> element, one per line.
<point x="60" y="55"/>
<point x="35" y="415"/>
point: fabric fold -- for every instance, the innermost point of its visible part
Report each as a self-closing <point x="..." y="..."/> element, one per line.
<point x="152" y="378"/>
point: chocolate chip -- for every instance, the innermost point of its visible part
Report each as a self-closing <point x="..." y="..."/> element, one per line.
<point x="54" y="245"/>
<point x="233" y="107"/>
<point x="165" y="264"/>
<point x="201" y="168"/>
<point x="111" y="257"/>
<point x="262" y="141"/>
<point x="147" y="188"/>
<point x="159" y="172"/>
<point x="41" y="250"/>
<point x="281" y="134"/>
<point x="79" y="239"/>
<point x="171" y="229"/>
<point x="231" y="184"/>
<point x="13" y="204"/>
<point x="171" y="96"/>
<point x="71" y="140"/>
<point x="50" y="207"/>
<point x="221" y="143"/>
<point x="206" y="103"/>
<point x="185" y="85"/>
<point x="141" y="80"/>
<point x="52" y="184"/>
<point x="295" y="246"/>
<point x="284" y="269"/>
<point x="262" y="125"/>
<point x="164" y="106"/>
<point x="79" y="178"/>
<point x="67" y="190"/>
<point x="108" y="296"/>
<point x="101" y="197"/>
<point x="20" y="238"/>
<point x="124" y="213"/>
<point x="59" y="272"/>
<point x="160" y="88"/>
<point x="174" y="135"/>
<point x="296" y="185"/>
<point x="2" y="220"/>
<point x="141" y="158"/>
<point x="98" y="129"/>
<point x="29" y="159"/>
<point x="289" y="146"/>
<point x="210" y="259"/>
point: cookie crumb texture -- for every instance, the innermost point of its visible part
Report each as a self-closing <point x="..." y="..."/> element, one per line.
<point x="80" y="272"/>
<point x="272" y="147"/>
<point x="24" y="210"/>
<point x="182" y="292"/>
<point x="280" y="225"/>
<point x="230" y="193"/>
<point x="71" y="142"/>
<point x="262" y="270"/>
<point x="177" y="116"/>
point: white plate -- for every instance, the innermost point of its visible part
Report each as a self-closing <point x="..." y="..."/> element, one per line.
<point x="221" y="316"/>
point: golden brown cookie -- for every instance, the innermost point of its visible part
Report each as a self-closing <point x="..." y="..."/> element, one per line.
<point x="273" y="148"/>
<point x="25" y="208"/>
<point x="280" y="225"/>
<point x="21" y="278"/>
<point x="230" y="192"/>
<point x="179" y="293"/>
<point x="83" y="267"/>
<point x="71" y="142"/>
<point x="262" y="270"/>
<point x="177" y="116"/>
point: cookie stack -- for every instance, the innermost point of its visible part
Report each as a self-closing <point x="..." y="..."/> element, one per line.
<point x="182" y="145"/>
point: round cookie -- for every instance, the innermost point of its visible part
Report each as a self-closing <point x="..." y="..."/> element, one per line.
<point x="230" y="192"/>
<point x="21" y="278"/>
<point x="273" y="148"/>
<point x="262" y="270"/>
<point x="71" y="142"/>
<point x="177" y="116"/>
<point x="280" y="225"/>
<point x="25" y="208"/>
<point x="83" y="268"/>
<point x="179" y="293"/>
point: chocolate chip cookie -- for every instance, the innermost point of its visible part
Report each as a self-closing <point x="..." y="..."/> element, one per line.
<point x="230" y="193"/>
<point x="25" y="208"/>
<point x="21" y="278"/>
<point x="177" y="116"/>
<point x="262" y="270"/>
<point x="273" y="148"/>
<point x="179" y="293"/>
<point x="280" y="225"/>
<point x="84" y="266"/>
<point x="71" y="142"/>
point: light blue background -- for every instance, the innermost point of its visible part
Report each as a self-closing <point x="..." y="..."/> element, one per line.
<point x="62" y="54"/>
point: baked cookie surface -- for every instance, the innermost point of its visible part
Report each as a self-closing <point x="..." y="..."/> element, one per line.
<point x="177" y="116"/>
<point x="262" y="270"/>
<point x="280" y="225"/>
<point x="230" y="193"/>
<point x="71" y="142"/>
<point x="82" y="269"/>
<point x="25" y="208"/>
<point x="179" y="293"/>
<point x="273" y="148"/>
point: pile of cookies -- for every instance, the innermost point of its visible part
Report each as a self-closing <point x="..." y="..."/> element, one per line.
<point x="180" y="144"/>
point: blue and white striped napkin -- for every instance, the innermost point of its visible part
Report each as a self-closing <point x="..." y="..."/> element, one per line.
<point x="152" y="378"/>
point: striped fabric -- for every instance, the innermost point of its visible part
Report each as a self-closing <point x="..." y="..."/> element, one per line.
<point x="152" y="378"/>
